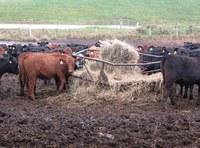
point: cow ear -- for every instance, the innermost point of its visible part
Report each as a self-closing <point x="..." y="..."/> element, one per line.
<point x="10" y="60"/>
<point x="62" y="61"/>
<point x="164" y="50"/>
<point x="175" y="50"/>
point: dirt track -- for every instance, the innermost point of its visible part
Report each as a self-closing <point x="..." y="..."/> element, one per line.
<point x="54" y="120"/>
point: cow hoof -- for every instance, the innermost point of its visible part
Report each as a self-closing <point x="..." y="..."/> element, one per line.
<point x="185" y="96"/>
<point x="164" y="107"/>
<point x="176" y="107"/>
<point x="198" y="103"/>
<point x="21" y="95"/>
<point x="31" y="98"/>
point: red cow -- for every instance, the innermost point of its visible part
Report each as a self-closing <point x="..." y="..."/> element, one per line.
<point x="51" y="46"/>
<point x="145" y="48"/>
<point x="67" y="51"/>
<point x="44" y="66"/>
<point x="1" y="51"/>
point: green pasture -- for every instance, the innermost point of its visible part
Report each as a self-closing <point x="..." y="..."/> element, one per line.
<point x="100" y="11"/>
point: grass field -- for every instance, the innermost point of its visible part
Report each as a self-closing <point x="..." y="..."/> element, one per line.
<point x="101" y="11"/>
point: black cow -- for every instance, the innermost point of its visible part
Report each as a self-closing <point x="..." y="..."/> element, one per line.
<point x="43" y="43"/>
<point x="191" y="45"/>
<point x="157" y="51"/>
<point x="8" y="65"/>
<point x="179" y="68"/>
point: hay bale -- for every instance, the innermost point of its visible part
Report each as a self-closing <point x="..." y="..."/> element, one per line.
<point x="116" y="51"/>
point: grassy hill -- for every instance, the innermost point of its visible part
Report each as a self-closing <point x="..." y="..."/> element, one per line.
<point x="98" y="11"/>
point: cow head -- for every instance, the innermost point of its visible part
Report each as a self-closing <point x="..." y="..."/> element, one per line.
<point x="43" y="43"/>
<point x="170" y="51"/>
<point x="12" y="65"/>
<point x="69" y="61"/>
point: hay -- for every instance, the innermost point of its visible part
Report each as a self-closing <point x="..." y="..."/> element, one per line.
<point x="124" y="82"/>
<point x="116" y="51"/>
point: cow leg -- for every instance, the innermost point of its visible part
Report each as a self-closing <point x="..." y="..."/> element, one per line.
<point x="198" y="100"/>
<point x="66" y="86"/>
<point x="21" y="88"/>
<point x="191" y="92"/>
<point x="31" y="88"/>
<point x="63" y="81"/>
<point x="22" y="84"/>
<point x="186" y="92"/>
<point x="181" y="90"/>
<point x="171" y="96"/>
<point x="35" y="89"/>
<point x="168" y="93"/>
<point x="57" y="83"/>
<point x="45" y="82"/>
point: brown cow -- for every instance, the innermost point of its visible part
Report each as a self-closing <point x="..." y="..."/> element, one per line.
<point x="44" y="66"/>
<point x="144" y="48"/>
<point x="67" y="51"/>
<point x="1" y="51"/>
<point x="52" y="46"/>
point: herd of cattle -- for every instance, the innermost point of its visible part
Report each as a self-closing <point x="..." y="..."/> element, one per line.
<point x="180" y="65"/>
<point x="45" y="61"/>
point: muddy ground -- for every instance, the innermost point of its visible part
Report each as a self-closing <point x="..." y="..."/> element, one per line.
<point x="57" y="120"/>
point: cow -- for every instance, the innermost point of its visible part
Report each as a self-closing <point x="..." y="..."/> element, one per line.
<point x="145" y="48"/>
<point x="42" y="43"/>
<point x="179" y="68"/>
<point x="44" y="66"/>
<point x="51" y="46"/>
<point x="156" y="51"/>
<point x="8" y="65"/>
<point x="191" y="45"/>
<point x="2" y="51"/>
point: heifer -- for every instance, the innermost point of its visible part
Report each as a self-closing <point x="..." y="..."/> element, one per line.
<point x="8" y="65"/>
<point x="179" y="68"/>
<point x="44" y="66"/>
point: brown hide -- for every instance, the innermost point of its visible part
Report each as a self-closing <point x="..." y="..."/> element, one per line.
<point x="53" y="46"/>
<point x="1" y="51"/>
<point x="46" y="66"/>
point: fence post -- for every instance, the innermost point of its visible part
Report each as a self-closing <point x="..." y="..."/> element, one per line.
<point x="177" y="32"/>
<point x="30" y="31"/>
<point x="150" y="31"/>
<point x="137" y="24"/>
<point x="120" y="25"/>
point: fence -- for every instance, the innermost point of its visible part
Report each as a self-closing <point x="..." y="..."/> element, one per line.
<point x="104" y="76"/>
<point x="30" y="27"/>
<point x="141" y="30"/>
<point x="175" y="31"/>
